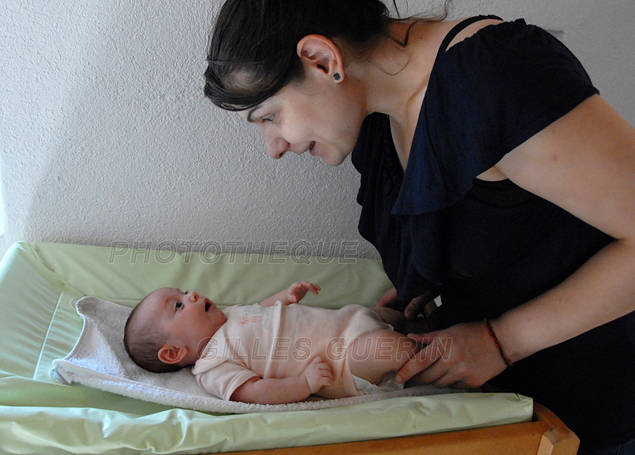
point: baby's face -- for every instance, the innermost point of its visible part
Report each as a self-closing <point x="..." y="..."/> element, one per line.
<point x="189" y="318"/>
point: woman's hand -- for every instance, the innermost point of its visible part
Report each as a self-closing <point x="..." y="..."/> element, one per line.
<point x="410" y="309"/>
<point x="462" y="356"/>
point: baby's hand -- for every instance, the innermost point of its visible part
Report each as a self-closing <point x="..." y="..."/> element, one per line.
<point x="318" y="374"/>
<point x="297" y="291"/>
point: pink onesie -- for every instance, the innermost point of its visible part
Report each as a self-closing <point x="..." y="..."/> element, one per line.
<point x="279" y="342"/>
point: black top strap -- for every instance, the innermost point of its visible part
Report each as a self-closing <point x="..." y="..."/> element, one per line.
<point x="460" y="27"/>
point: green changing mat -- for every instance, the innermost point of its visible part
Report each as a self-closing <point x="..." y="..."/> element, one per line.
<point x="39" y="284"/>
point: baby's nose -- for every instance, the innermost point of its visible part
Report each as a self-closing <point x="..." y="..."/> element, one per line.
<point x="194" y="296"/>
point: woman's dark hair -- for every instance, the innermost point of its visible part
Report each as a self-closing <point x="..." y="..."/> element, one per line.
<point x="252" y="53"/>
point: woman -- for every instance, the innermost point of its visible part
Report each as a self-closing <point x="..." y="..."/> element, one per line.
<point x="492" y="173"/>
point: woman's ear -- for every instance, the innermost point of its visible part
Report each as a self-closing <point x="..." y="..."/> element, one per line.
<point x="172" y="355"/>
<point x="320" y="54"/>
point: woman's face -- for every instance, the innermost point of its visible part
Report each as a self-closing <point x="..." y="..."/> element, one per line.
<point x="317" y="115"/>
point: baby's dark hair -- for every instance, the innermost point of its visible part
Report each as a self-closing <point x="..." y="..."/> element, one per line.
<point x="252" y="53"/>
<point x="142" y="343"/>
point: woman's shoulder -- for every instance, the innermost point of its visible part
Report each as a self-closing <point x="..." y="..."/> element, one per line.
<point x="476" y="24"/>
<point x="435" y="37"/>
<point x="512" y="71"/>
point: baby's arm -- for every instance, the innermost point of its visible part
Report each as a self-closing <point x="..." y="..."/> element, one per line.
<point x="293" y="294"/>
<point x="288" y="390"/>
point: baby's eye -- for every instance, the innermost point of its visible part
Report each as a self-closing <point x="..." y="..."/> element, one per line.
<point x="177" y="305"/>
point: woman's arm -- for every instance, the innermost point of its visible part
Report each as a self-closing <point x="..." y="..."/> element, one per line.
<point x="287" y="390"/>
<point x="293" y="294"/>
<point x="584" y="163"/>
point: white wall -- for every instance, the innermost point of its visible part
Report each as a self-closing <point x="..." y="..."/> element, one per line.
<point x="106" y="137"/>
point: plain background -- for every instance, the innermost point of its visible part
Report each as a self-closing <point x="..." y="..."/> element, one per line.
<point x="106" y="137"/>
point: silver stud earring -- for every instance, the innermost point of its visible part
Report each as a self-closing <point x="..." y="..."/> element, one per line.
<point x="337" y="76"/>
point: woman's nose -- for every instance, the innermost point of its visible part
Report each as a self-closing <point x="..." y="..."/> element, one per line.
<point x="276" y="147"/>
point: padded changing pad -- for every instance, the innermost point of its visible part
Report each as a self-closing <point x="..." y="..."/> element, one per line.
<point x="39" y="284"/>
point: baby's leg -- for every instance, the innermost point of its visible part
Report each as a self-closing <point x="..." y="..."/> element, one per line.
<point x="373" y="354"/>
<point x="399" y="322"/>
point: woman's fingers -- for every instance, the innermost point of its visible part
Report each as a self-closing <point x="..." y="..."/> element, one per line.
<point x="423" y="361"/>
<point x="415" y="307"/>
<point x="460" y="356"/>
<point x="389" y="299"/>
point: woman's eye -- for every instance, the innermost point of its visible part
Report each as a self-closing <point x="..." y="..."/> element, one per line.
<point x="268" y="118"/>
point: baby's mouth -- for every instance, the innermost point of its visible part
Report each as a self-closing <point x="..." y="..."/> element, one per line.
<point x="208" y="305"/>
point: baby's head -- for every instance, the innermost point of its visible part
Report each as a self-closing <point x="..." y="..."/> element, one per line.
<point x="167" y="330"/>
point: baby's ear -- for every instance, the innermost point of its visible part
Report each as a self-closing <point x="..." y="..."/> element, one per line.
<point x="172" y="355"/>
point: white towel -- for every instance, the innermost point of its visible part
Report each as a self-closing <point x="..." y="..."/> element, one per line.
<point x="99" y="360"/>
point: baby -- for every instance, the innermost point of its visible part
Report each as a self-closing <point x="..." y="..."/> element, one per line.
<point x="268" y="353"/>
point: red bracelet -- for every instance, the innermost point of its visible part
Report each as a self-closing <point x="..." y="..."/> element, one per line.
<point x="497" y="343"/>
